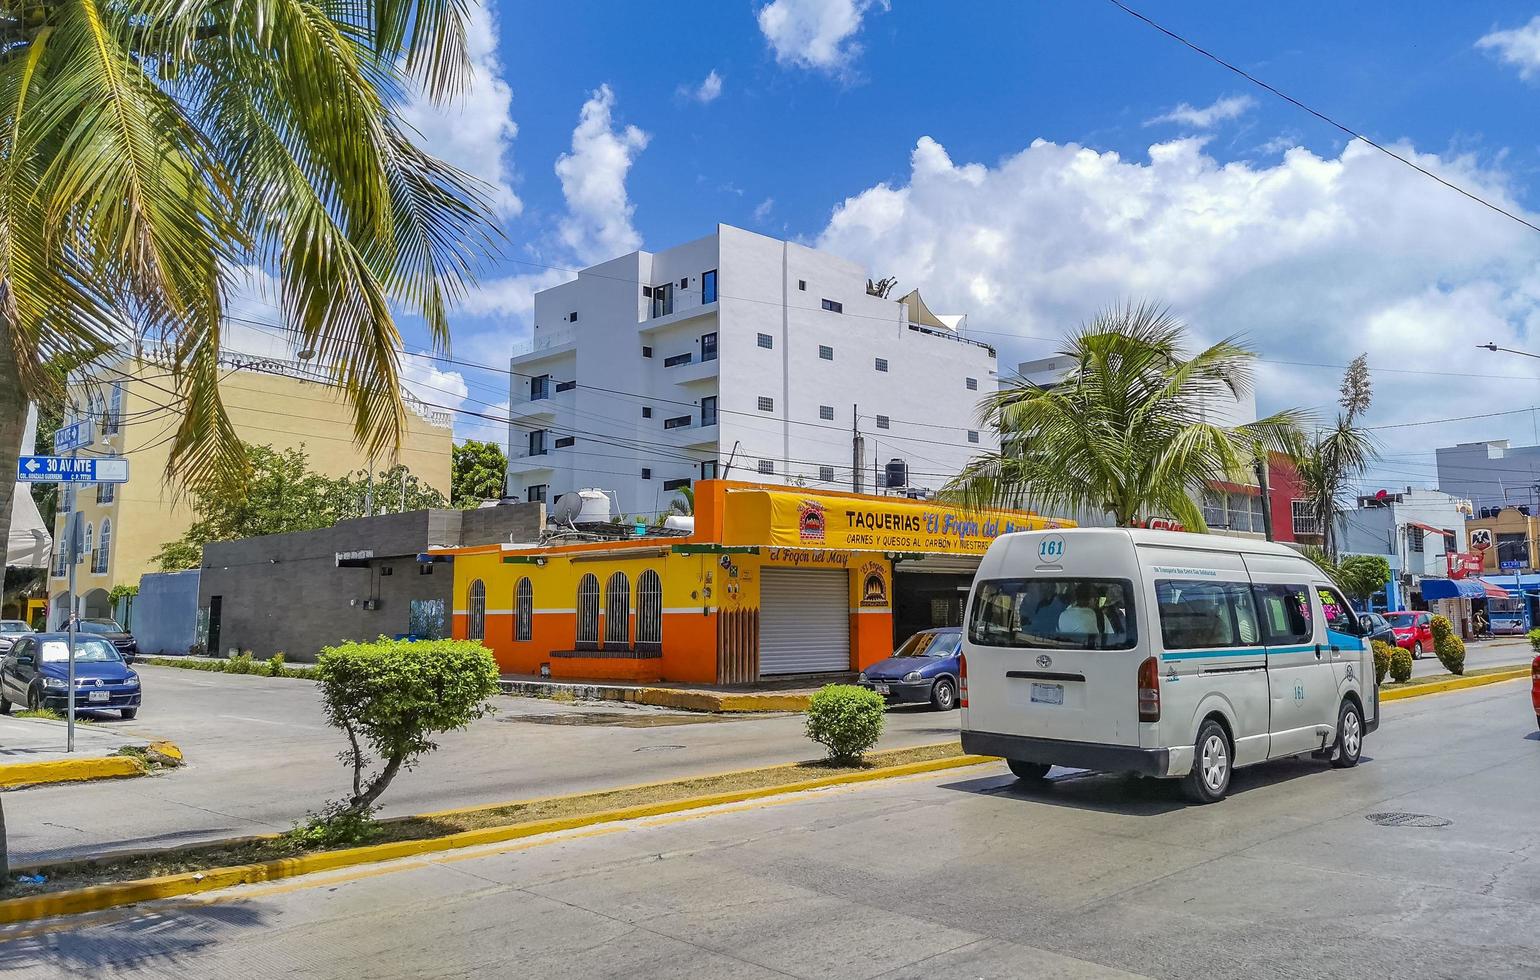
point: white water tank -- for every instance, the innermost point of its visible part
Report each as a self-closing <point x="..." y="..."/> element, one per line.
<point x="680" y="522"/>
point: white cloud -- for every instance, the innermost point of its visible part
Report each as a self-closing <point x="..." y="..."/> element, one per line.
<point x="1519" y="46"/>
<point x="593" y="181"/>
<point x="1314" y="259"/>
<point x="476" y="131"/>
<point x="762" y="210"/>
<point x="1221" y="110"/>
<point x="815" y="33"/>
<point x="704" y="93"/>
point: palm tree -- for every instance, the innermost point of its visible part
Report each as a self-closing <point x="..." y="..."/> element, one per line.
<point x="683" y="504"/>
<point x="1335" y="457"/>
<point x="1125" y="432"/>
<point x="149" y="149"/>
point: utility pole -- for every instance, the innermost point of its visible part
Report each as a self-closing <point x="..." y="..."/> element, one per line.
<point x="857" y="448"/>
<point x="1267" y="503"/>
<point x="403" y="492"/>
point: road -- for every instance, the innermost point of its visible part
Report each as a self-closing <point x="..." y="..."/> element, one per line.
<point x="1487" y="653"/>
<point x="260" y="756"/>
<point x="958" y="874"/>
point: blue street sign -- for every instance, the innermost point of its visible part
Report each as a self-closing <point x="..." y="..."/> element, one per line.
<point x="61" y="469"/>
<point x="76" y="435"/>
<point x="1512" y="564"/>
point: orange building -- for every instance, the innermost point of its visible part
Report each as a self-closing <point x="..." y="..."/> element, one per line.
<point x="772" y="581"/>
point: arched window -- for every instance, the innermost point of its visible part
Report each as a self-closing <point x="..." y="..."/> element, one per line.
<point x="524" y="610"/>
<point x="99" y="556"/>
<point x="617" y="610"/>
<point x="85" y="544"/>
<point x="114" y="409"/>
<point x="649" y="611"/>
<point x="476" y="611"/>
<point x="588" y="612"/>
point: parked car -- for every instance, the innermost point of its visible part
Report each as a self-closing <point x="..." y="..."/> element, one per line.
<point x="1414" y="631"/>
<point x="1377" y="627"/>
<point x="924" y="668"/>
<point x="10" y="629"/>
<point x="36" y="673"/>
<point x="109" y="630"/>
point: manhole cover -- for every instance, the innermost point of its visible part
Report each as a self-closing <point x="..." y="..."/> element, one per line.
<point x="1408" y="820"/>
<point x="657" y="748"/>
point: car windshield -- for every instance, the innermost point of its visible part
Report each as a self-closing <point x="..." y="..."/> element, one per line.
<point x="1400" y="619"/>
<point x="14" y="626"/>
<point x="1057" y="613"/>
<point x="87" y="651"/>
<point x="930" y="645"/>
<point x="99" y="626"/>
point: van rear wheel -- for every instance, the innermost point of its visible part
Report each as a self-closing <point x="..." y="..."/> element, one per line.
<point x="1028" y="772"/>
<point x="1209" y="780"/>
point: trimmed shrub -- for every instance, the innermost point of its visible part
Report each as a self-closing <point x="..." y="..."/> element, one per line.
<point x="845" y="719"/>
<point x="275" y="665"/>
<point x="1534" y="640"/>
<point x="239" y="664"/>
<point x="1401" y="665"/>
<point x="1382" y="653"/>
<point x="1448" y="646"/>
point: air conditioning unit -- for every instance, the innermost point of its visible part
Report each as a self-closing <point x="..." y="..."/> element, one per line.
<point x="371" y="603"/>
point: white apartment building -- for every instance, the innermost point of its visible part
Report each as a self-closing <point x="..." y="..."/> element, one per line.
<point x="739" y="356"/>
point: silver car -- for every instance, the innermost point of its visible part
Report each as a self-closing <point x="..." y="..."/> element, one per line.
<point x="10" y="629"/>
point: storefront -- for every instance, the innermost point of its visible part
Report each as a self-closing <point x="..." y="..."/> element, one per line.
<point x="772" y="582"/>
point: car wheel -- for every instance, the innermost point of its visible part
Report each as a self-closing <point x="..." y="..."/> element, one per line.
<point x="1028" y="772"/>
<point x="943" y="694"/>
<point x="1209" y="780"/>
<point x="1417" y="650"/>
<point x="129" y="713"/>
<point x="5" y="707"/>
<point x="1350" y="736"/>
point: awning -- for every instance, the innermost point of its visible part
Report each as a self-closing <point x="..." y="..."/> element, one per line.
<point x="1460" y="588"/>
<point x="1429" y="527"/>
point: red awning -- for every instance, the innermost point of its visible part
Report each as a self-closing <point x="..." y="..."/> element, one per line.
<point x="1429" y="527"/>
<point x="1493" y="592"/>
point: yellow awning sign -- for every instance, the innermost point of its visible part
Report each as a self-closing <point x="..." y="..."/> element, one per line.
<point x="784" y="518"/>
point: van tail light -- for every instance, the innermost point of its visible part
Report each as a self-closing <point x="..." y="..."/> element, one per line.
<point x="1149" y="690"/>
<point x="962" y="680"/>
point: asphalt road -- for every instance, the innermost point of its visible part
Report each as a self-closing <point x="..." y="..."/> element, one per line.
<point x="959" y="874"/>
<point x="1488" y="653"/>
<point x="260" y="756"/>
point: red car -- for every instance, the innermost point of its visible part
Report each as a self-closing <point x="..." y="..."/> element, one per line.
<point x="1414" y="631"/>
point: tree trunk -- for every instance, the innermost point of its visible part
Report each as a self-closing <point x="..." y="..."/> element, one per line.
<point x="13" y="423"/>
<point x="377" y="786"/>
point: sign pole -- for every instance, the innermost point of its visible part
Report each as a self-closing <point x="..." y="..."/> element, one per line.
<point x="69" y="717"/>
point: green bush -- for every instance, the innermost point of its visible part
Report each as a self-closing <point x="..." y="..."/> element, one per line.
<point x="239" y="664"/>
<point x="275" y="665"/>
<point x="1383" y="652"/>
<point x="847" y="720"/>
<point x="334" y="826"/>
<point x="390" y="696"/>
<point x="1448" y="646"/>
<point x="1401" y="665"/>
<point x="1534" y="640"/>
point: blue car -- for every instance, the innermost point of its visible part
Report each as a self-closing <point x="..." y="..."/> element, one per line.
<point x="35" y="672"/>
<point x="924" y="669"/>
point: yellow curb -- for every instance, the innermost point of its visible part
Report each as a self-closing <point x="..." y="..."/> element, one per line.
<point x="168" y="749"/>
<point x="129" y="892"/>
<point x="15" y="775"/>
<point x="1453" y="684"/>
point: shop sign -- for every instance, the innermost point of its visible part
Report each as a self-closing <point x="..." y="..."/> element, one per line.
<point x="1462" y="564"/>
<point x="874" y="585"/>
<point x="1481" y="538"/>
<point x="807" y="557"/>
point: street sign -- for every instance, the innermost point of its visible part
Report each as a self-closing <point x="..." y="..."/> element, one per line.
<point x="1511" y="564"/>
<point x="76" y="435"/>
<point x="62" y="469"/>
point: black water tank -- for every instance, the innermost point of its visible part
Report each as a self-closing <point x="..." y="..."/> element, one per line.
<point x="897" y="473"/>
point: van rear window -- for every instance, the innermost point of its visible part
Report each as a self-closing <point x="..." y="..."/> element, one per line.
<point x="1054" y="613"/>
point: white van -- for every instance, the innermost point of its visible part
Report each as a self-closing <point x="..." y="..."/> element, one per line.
<point x="1163" y="653"/>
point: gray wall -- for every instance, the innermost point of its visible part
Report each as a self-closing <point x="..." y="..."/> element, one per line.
<point x="284" y="592"/>
<point x="1490" y="474"/>
<point x="166" y="612"/>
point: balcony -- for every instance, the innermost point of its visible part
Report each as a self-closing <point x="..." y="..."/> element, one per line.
<point x="692" y="372"/>
<point x="691" y="436"/>
<point x="525" y="465"/>
<point x="550" y="342"/>
<point x="538" y="409"/>
<point x="678" y="316"/>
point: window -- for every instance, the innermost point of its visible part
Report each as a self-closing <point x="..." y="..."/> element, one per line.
<point x="476" y="611"/>
<point x="99" y="556"/>
<point x="675" y="484"/>
<point x="646" y="473"/>
<point x="678" y="359"/>
<point x="826" y="352"/>
<point x="833" y="307"/>
<point x="677" y="422"/>
<point x="708" y="286"/>
<point x="883" y="422"/>
<point x="617" y="610"/>
<point x="973" y="435"/>
<point x="565" y="385"/>
<point x="1200" y="614"/>
<point x="572" y="317"/>
<point x="826" y="412"/>
<point x="708" y="347"/>
<point x="105" y="492"/>
<point x="1513" y="547"/>
<point x="1285" y="611"/>
<point x="708" y="410"/>
<point x="425" y="618"/>
<point x="114" y="409"/>
<point x="663" y="300"/>
<point x="802" y="285"/>
<point x="1339" y="614"/>
<point x="1240" y="512"/>
<point x="588" y="613"/>
<point x="1304" y="517"/>
<point x="649" y="611"/>
<point x="708" y="470"/>
<point x="540" y="387"/>
<point x="882" y="364"/>
<point x="565" y="441"/>
<point x="524" y="610"/>
<point x="646" y="351"/>
<point x="767" y="467"/>
<point x="535" y="492"/>
<point x="426" y="568"/>
<point x="85" y="548"/>
<point x="826" y="474"/>
<point x="766" y="404"/>
<point x="1213" y="508"/>
<point x="766" y="341"/>
<point x="537" y="443"/>
<point x="972" y="383"/>
<point x="1414" y="536"/>
<point x="646" y="411"/>
<point x="1055" y="613"/>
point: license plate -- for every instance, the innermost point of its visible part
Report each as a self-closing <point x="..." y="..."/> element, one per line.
<point x="880" y="688"/>
<point x="1048" y="693"/>
<point x="101" y="696"/>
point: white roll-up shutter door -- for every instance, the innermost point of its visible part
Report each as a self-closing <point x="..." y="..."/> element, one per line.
<point x="804" y="621"/>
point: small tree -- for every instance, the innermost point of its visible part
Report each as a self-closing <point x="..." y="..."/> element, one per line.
<point x="391" y="696"/>
<point x="1361" y="576"/>
<point x="1448" y="646"/>
<point x="479" y="471"/>
<point x="845" y="719"/>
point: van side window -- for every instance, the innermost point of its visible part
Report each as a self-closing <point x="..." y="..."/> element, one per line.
<point x="1339" y="615"/>
<point x="1285" y="613"/>
<point x="1200" y="613"/>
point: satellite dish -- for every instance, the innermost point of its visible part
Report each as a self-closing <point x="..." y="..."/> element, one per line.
<point x="567" y="508"/>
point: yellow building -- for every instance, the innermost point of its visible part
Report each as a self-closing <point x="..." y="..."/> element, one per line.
<point x="270" y="401"/>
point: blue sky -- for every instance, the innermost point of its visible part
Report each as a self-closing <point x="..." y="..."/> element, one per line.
<point x="1027" y="163"/>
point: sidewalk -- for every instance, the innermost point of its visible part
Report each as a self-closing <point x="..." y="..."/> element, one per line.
<point x="772" y="696"/>
<point x="32" y="752"/>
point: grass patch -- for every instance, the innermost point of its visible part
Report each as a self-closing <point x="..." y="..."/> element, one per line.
<point x="49" y="714"/>
<point x="1440" y="678"/>
<point x="234" y="666"/>
<point x="304" y="840"/>
<point x="149" y="760"/>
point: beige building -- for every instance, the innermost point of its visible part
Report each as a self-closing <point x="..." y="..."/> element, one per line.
<point x="1510" y="535"/>
<point x="281" y="403"/>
